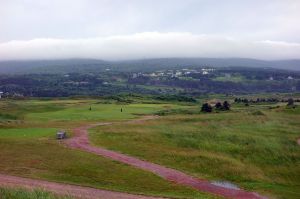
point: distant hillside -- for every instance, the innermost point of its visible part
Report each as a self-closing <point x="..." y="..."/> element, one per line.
<point x="51" y="66"/>
<point x="92" y="65"/>
<point x="164" y="63"/>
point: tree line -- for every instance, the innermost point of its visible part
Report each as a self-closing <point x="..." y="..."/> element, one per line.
<point x="208" y="108"/>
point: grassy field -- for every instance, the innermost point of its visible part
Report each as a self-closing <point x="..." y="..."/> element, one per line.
<point x="254" y="147"/>
<point x="29" y="149"/>
<point x="99" y="112"/>
<point x="26" y="133"/>
<point x="9" y="193"/>
<point x="77" y="110"/>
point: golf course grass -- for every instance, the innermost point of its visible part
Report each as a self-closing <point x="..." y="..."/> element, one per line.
<point x="29" y="148"/>
<point x="77" y="110"/>
<point x="254" y="147"/>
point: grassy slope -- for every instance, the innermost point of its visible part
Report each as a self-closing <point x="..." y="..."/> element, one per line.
<point x="9" y="193"/>
<point x="253" y="147"/>
<point x="33" y="152"/>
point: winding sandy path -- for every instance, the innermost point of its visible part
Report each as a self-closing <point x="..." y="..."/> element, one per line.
<point x="65" y="189"/>
<point x="81" y="141"/>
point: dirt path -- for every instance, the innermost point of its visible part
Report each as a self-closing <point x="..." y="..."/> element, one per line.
<point x="81" y="141"/>
<point x="65" y="189"/>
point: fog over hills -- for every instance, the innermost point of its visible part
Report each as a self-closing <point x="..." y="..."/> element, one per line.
<point x="95" y="65"/>
<point x="150" y="34"/>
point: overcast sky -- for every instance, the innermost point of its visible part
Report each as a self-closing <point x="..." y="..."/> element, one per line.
<point x="134" y="29"/>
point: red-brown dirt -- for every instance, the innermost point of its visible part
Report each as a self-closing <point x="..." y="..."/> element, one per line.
<point x="65" y="189"/>
<point x="81" y="141"/>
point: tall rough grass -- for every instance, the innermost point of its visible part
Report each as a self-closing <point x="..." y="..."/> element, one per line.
<point x="18" y="193"/>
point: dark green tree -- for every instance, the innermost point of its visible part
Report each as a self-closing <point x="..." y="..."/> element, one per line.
<point x="226" y="106"/>
<point x="206" y="108"/>
<point x="218" y="106"/>
<point x="290" y="102"/>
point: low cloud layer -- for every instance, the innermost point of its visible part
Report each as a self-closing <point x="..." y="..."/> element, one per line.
<point x="147" y="45"/>
<point x="137" y="29"/>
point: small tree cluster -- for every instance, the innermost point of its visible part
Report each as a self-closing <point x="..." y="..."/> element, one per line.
<point x="222" y="107"/>
<point x="257" y="100"/>
<point x="207" y="108"/>
<point x="262" y="100"/>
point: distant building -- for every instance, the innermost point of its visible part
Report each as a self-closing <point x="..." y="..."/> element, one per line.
<point x="206" y="71"/>
<point x="134" y="75"/>
<point x="178" y="73"/>
<point x="18" y="95"/>
<point x="271" y="78"/>
<point x="152" y="75"/>
<point x="290" y="77"/>
<point x="1" y="93"/>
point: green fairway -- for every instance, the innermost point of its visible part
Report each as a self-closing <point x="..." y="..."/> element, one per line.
<point x="27" y="133"/>
<point x="98" y="112"/>
<point x="34" y="153"/>
<point x="77" y="110"/>
<point x="256" y="150"/>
